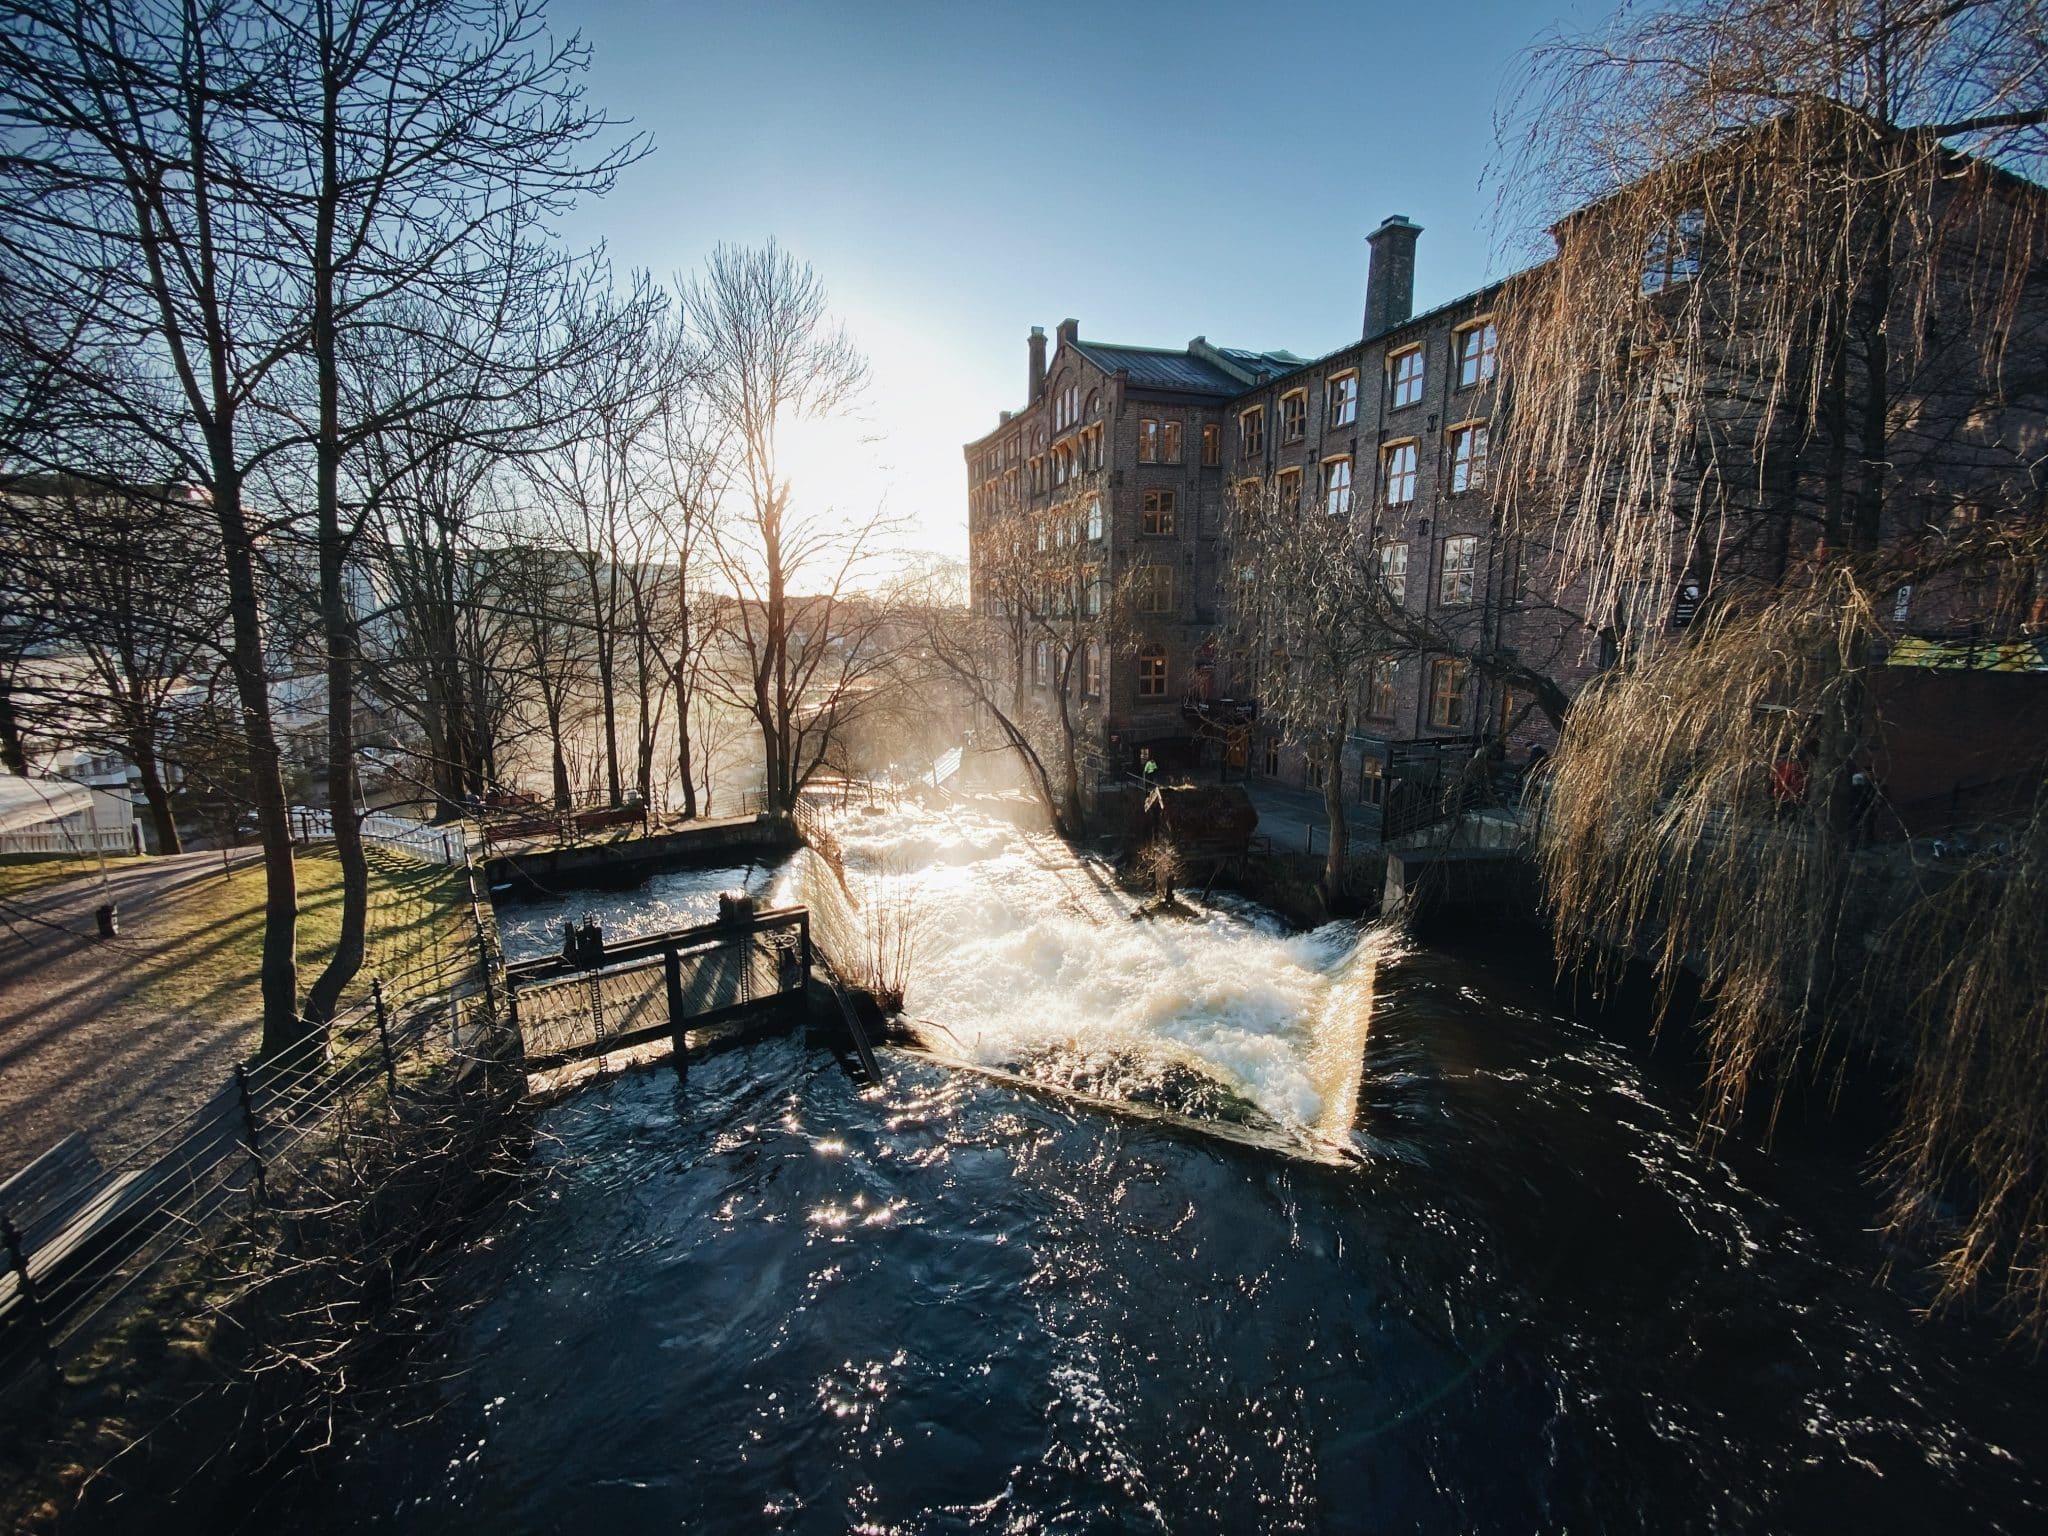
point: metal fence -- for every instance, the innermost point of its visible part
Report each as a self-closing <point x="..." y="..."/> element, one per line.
<point x="79" y="1239"/>
<point x="439" y="845"/>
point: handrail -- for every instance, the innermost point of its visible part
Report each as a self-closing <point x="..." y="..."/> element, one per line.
<point x="854" y="1026"/>
<point x="549" y="967"/>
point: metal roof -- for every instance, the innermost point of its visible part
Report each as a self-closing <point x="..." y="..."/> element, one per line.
<point x="1152" y="368"/>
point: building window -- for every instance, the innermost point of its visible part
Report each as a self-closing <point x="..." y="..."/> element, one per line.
<point x="1454" y="585"/>
<point x="1673" y="254"/>
<point x="1157" y="515"/>
<point x="1394" y="572"/>
<point x="1312" y="772"/>
<point x="1372" y="782"/>
<point x="1091" y="671"/>
<point x="1447" y="694"/>
<point x="1247" y="495"/>
<point x="1379" y="690"/>
<point x="1272" y="759"/>
<point x="1343" y="398"/>
<point x="1152" y="674"/>
<point x="1169" y="442"/>
<point x="1148" y="440"/>
<point x="1468" y="457"/>
<point x="1155" y="589"/>
<point x="1212" y="444"/>
<point x="1041" y="663"/>
<point x="1293" y="415"/>
<point x="1091" y="591"/>
<point x="1251" y="432"/>
<point x="1477" y="345"/>
<point x="1407" y="369"/>
<point x="1399" y="459"/>
<point x="1065" y="408"/>
<point x="1287" y="490"/>
<point x="1095" y="517"/>
<point x="1337" y="487"/>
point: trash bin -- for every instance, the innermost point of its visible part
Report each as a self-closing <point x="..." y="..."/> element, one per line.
<point x="108" y="916"/>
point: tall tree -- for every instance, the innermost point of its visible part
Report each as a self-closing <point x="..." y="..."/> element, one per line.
<point x="136" y="133"/>
<point x="803" y="648"/>
<point x="435" y="134"/>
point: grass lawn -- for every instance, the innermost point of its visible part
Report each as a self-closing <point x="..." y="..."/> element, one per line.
<point x="207" y="945"/>
<point x="21" y="873"/>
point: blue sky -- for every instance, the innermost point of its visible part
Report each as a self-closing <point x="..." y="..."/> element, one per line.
<point x="960" y="172"/>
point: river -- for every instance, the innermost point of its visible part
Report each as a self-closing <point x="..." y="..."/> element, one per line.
<point x="1417" y="1248"/>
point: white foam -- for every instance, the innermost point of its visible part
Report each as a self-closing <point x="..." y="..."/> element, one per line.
<point x="1023" y="949"/>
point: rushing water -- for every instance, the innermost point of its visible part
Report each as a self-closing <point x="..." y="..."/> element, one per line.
<point x="1472" y="1273"/>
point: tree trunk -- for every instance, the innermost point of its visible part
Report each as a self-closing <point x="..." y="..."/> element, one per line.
<point x="1070" y="758"/>
<point x="684" y="767"/>
<point x="13" y="753"/>
<point x="162" y="821"/>
<point x="559" y="759"/>
<point x="336" y="622"/>
<point x="1333" y="811"/>
<point x="280" y="966"/>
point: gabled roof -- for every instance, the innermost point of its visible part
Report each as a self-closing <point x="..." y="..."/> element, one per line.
<point x="1198" y="369"/>
<point x="1154" y="368"/>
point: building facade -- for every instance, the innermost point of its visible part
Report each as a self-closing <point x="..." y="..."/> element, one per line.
<point x="1140" y="453"/>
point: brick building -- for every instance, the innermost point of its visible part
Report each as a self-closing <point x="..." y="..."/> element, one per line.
<point x="1139" y="451"/>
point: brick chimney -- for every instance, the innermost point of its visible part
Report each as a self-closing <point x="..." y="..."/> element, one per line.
<point x="1037" y="363"/>
<point x="1390" y="274"/>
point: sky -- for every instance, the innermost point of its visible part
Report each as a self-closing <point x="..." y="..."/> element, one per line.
<point x="957" y="173"/>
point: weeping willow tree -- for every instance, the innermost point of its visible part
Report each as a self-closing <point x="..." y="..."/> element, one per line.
<point x="1779" y="394"/>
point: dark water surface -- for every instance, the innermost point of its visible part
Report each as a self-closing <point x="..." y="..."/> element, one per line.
<point x="764" y="1301"/>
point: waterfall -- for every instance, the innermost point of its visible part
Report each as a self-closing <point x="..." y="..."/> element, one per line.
<point x="1028" y="960"/>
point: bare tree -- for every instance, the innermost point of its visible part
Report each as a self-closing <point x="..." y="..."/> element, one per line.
<point x="1309" y="615"/>
<point x="685" y="491"/>
<point x="802" y="647"/>
<point x="543" y="591"/>
<point x="126" y="589"/>
<point x="135" y="134"/>
<point x="435" y="134"/>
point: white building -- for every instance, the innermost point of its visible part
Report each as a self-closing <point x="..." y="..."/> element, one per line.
<point x="41" y="815"/>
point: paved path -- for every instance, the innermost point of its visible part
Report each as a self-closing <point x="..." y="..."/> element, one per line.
<point x="78" y="1050"/>
<point x="1297" y="822"/>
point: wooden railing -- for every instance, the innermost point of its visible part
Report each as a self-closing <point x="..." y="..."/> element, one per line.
<point x="658" y="987"/>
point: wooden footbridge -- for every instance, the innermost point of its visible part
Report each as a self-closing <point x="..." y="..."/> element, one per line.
<point x="753" y="967"/>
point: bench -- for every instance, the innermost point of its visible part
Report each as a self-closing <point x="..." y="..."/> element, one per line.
<point x="41" y="1198"/>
